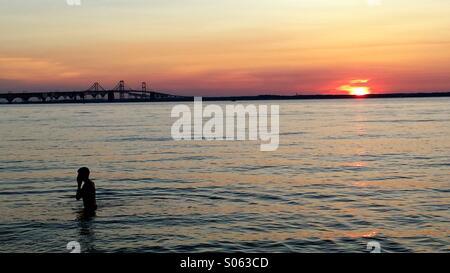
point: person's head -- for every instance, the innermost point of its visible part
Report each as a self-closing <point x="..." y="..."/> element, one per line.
<point x="83" y="174"/>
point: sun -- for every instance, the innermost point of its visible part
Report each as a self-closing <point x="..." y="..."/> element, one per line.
<point x="358" y="87"/>
<point x="359" y="91"/>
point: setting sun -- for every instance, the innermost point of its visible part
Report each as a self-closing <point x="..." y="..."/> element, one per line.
<point x="356" y="88"/>
<point x="359" y="91"/>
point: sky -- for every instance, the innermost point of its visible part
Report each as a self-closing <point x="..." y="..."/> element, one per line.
<point x="227" y="47"/>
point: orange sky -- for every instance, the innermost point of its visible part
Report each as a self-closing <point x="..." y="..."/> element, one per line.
<point x="227" y="47"/>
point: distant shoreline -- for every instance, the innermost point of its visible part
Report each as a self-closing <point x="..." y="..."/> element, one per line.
<point x="320" y="97"/>
<point x="246" y="98"/>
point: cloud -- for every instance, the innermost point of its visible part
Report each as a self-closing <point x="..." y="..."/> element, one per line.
<point x="34" y="70"/>
<point x="358" y="81"/>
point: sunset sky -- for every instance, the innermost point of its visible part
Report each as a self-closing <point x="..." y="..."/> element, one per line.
<point x="227" y="47"/>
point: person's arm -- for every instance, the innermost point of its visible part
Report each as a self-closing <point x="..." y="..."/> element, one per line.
<point x="79" y="193"/>
<point x="79" y="182"/>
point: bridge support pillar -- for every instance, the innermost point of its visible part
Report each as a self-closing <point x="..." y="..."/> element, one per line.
<point x="111" y="96"/>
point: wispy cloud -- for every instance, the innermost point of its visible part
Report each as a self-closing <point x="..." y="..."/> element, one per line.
<point x="31" y="69"/>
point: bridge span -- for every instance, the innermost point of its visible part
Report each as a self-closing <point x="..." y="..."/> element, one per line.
<point x="95" y="93"/>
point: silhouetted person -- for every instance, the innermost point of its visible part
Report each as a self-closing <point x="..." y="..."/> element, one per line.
<point x="87" y="191"/>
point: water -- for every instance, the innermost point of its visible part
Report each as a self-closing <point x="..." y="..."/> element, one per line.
<point x="347" y="172"/>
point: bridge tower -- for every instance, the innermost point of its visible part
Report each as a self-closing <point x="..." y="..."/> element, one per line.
<point x="144" y="90"/>
<point x="95" y="90"/>
<point x="122" y="89"/>
<point x="96" y="86"/>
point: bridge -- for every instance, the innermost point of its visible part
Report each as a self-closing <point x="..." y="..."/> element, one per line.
<point x="95" y="93"/>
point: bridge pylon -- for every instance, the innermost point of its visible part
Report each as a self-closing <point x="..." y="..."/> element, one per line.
<point x="122" y="89"/>
<point x="96" y="87"/>
<point x="144" y="89"/>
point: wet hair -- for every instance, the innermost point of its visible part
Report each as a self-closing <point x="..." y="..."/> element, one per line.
<point x="84" y="172"/>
